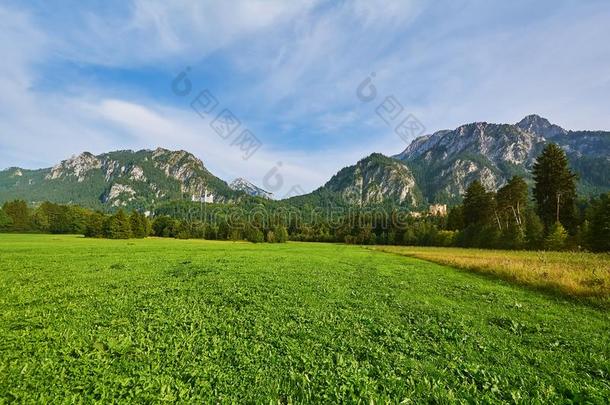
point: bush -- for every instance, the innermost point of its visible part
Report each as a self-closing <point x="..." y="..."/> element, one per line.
<point x="281" y="234"/>
<point x="5" y="221"/>
<point x="556" y="239"/>
<point x="254" y="235"/>
<point x="445" y="238"/>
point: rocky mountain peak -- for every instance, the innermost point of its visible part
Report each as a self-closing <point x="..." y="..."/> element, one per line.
<point x="122" y="178"/>
<point x="446" y="162"/>
<point x="374" y="180"/>
<point x="538" y="125"/>
<point x="241" y="184"/>
<point x="76" y="166"/>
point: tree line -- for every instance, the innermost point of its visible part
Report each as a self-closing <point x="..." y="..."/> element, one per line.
<point x="551" y="217"/>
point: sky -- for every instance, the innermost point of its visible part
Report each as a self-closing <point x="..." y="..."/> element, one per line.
<point x="286" y="93"/>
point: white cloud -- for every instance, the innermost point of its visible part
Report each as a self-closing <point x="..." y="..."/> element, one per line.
<point x="158" y="31"/>
<point x="302" y="61"/>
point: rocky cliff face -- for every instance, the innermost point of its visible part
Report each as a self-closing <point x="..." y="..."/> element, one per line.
<point x="117" y="179"/>
<point x="375" y="179"/>
<point x="446" y="162"/>
<point x="435" y="168"/>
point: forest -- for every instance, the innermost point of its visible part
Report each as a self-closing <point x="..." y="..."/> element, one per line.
<point x="549" y="216"/>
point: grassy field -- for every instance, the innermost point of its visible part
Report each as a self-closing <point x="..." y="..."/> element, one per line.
<point x="180" y="321"/>
<point x="574" y="274"/>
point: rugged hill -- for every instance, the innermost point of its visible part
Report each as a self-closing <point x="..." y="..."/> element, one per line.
<point x="376" y="179"/>
<point x="433" y="168"/>
<point x="445" y="162"/>
<point x="241" y="184"/>
<point x="117" y="179"/>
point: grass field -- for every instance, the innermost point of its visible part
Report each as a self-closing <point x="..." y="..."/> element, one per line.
<point x="180" y="321"/>
<point x="579" y="275"/>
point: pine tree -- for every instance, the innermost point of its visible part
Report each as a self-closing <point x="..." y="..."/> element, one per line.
<point x="480" y="219"/>
<point x="534" y="230"/>
<point x="599" y="227"/>
<point x="455" y="219"/>
<point x="95" y="225"/>
<point x="555" y="188"/>
<point x="556" y="239"/>
<point x="118" y="226"/>
<point x="138" y="225"/>
<point x="478" y="205"/>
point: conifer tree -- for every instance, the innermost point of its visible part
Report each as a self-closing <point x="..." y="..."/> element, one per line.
<point x="478" y="205"/>
<point x="118" y="226"/>
<point x="94" y="227"/>
<point x="599" y="228"/>
<point x="555" y="188"/>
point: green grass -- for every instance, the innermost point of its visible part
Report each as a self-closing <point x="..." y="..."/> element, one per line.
<point x="580" y="275"/>
<point x="180" y="321"/>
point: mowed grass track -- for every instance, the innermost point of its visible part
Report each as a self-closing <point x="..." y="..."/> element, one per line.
<point x="180" y="321"/>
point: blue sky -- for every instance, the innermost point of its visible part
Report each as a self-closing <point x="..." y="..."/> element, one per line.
<point x="97" y="77"/>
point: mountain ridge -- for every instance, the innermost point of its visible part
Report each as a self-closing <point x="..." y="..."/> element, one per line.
<point x="434" y="168"/>
<point x="445" y="162"/>
<point x="122" y="178"/>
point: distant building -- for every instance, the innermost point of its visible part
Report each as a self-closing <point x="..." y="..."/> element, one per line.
<point x="204" y="198"/>
<point x="438" y="210"/>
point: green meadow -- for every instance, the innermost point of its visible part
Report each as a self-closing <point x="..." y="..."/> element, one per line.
<point x="164" y="320"/>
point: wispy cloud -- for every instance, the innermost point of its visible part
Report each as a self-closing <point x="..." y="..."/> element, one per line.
<point x="76" y="78"/>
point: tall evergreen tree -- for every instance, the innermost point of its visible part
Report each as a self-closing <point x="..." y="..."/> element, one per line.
<point x="555" y="188"/>
<point x="599" y="229"/>
<point x="455" y="219"/>
<point x="534" y="229"/>
<point x="118" y="226"/>
<point x="478" y="205"/>
<point x="95" y="225"/>
<point x="138" y="225"/>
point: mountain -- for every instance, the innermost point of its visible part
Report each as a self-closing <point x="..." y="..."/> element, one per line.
<point x="376" y="179"/>
<point x="434" y="168"/>
<point x="446" y="162"/>
<point x="241" y="184"/>
<point x="118" y="179"/>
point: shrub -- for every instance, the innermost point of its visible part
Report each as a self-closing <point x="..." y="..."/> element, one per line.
<point x="556" y="239"/>
<point x="445" y="238"/>
<point x="254" y="235"/>
<point x="281" y="234"/>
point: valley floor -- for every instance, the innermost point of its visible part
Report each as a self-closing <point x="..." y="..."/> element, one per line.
<point x="168" y="320"/>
